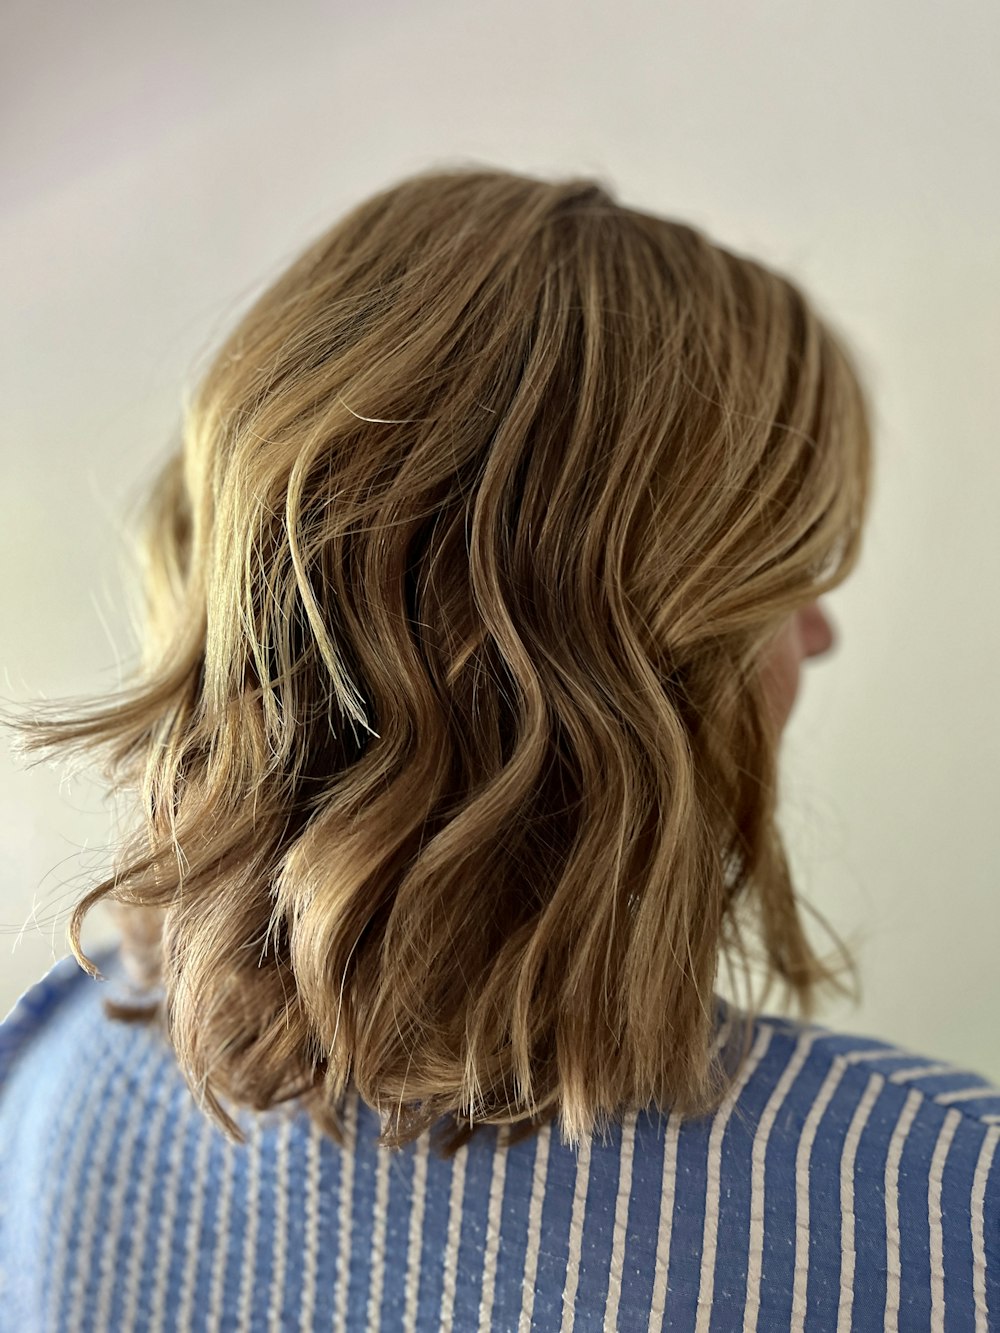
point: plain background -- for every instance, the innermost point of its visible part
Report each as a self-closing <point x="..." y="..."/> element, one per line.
<point x="161" y="164"/>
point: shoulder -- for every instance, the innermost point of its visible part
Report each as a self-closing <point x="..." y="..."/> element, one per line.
<point x="854" y="1066"/>
<point x="37" y="1009"/>
<point x="49" y="1009"/>
<point x="837" y="1106"/>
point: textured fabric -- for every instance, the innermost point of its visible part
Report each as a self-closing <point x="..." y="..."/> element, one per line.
<point x="847" y="1184"/>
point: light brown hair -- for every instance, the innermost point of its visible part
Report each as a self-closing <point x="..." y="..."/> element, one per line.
<point x="454" y="773"/>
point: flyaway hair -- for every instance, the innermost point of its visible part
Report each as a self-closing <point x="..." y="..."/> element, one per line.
<point x="453" y="774"/>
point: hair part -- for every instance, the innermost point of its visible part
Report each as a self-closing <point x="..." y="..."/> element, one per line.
<point x="454" y="775"/>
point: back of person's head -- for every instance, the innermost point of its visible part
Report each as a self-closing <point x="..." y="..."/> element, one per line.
<point x="455" y="772"/>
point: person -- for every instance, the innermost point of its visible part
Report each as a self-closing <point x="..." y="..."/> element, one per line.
<point x="476" y="598"/>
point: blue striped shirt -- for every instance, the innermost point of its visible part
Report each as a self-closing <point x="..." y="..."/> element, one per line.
<point x="844" y="1184"/>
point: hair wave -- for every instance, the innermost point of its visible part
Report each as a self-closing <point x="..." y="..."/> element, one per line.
<point x="454" y="773"/>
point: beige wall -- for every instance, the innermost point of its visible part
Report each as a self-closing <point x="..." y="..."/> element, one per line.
<point x="160" y="163"/>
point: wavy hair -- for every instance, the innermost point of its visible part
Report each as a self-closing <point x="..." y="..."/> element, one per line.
<point x="454" y="772"/>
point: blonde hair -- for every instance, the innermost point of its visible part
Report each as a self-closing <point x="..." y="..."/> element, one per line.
<point x="454" y="766"/>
